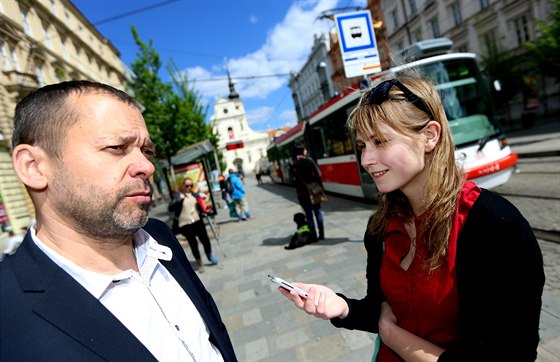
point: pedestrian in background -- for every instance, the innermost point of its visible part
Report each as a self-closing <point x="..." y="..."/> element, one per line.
<point x="95" y="279"/>
<point x="190" y="209"/>
<point x="454" y="271"/>
<point x="304" y="171"/>
<point x="258" y="174"/>
<point x="224" y="189"/>
<point x="239" y="197"/>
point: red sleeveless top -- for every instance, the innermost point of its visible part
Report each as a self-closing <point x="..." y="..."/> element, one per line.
<point x="425" y="305"/>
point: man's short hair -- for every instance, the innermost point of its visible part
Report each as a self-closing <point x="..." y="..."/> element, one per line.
<point x="43" y="117"/>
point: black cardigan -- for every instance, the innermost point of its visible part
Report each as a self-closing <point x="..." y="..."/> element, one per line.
<point x="500" y="281"/>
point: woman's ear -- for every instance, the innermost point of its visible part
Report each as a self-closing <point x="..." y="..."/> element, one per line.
<point x="432" y="132"/>
<point x="30" y="163"/>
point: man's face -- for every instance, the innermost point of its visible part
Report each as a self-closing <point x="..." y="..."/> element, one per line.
<point x="101" y="186"/>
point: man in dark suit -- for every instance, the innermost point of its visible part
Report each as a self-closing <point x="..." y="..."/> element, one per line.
<point x="95" y="279"/>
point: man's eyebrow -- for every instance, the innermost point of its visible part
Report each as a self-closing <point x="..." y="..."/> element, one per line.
<point x="129" y="139"/>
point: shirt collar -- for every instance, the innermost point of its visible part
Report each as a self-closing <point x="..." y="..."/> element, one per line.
<point x="146" y="249"/>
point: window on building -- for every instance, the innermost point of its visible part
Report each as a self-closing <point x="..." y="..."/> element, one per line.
<point x="64" y="49"/>
<point x="489" y="43"/>
<point x="521" y="25"/>
<point x="395" y="17"/>
<point x="417" y="34"/>
<point x="456" y="12"/>
<point x="47" y="40"/>
<point x="53" y="7"/>
<point x="14" y="59"/>
<point x="25" y="20"/>
<point x="484" y="3"/>
<point x="5" y="59"/>
<point x="434" y="25"/>
<point x="1" y="8"/>
<point x="40" y="75"/>
<point x="412" y="6"/>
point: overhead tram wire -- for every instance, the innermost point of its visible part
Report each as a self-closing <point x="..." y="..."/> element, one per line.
<point x="242" y="77"/>
<point x="132" y="12"/>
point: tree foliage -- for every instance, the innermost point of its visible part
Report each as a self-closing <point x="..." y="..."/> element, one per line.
<point x="174" y="113"/>
<point x="545" y="49"/>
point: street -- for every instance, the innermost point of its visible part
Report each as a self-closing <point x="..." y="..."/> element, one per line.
<point x="535" y="190"/>
<point x="266" y="327"/>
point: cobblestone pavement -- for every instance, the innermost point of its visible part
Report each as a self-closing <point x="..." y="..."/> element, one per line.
<point x="266" y="327"/>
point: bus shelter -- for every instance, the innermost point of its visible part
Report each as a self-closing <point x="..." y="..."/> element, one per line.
<point x="193" y="161"/>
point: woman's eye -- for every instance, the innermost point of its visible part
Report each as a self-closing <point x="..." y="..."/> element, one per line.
<point x="360" y="146"/>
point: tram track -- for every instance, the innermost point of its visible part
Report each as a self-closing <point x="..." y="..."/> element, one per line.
<point x="547" y="235"/>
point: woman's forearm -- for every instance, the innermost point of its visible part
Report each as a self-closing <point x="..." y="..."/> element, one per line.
<point x="410" y="347"/>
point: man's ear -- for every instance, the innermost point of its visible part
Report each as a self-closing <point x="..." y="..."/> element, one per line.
<point x="30" y="164"/>
<point x="432" y="133"/>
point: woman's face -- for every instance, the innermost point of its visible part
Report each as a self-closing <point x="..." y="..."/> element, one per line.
<point x="396" y="163"/>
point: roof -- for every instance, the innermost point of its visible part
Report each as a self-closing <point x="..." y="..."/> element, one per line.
<point x="192" y="152"/>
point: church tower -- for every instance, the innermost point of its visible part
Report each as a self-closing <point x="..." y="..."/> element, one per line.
<point x="241" y="147"/>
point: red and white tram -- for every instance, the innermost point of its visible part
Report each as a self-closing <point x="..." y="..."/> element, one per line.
<point x="481" y="147"/>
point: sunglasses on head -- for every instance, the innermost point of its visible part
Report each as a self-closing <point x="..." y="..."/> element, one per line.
<point x="380" y="94"/>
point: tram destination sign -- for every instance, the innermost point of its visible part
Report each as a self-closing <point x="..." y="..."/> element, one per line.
<point x="357" y="43"/>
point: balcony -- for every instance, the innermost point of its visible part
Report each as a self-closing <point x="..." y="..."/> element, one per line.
<point x="21" y="82"/>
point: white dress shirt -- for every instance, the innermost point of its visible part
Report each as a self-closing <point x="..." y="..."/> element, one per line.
<point x="151" y="304"/>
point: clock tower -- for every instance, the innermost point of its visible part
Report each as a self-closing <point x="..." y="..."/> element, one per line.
<point x="241" y="147"/>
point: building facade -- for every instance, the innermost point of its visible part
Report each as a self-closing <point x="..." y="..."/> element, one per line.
<point x="312" y="86"/>
<point x="241" y="147"/>
<point x="43" y="42"/>
<point x="483" y="27"/>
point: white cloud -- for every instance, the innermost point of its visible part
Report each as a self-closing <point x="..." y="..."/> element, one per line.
<point x="286" y="49"/>
<point x="259" y="115"/>
<point x="253" y="19"/>
<point x="289" y="116"/>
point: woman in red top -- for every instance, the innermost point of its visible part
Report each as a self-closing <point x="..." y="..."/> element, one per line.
<point x="454" y="272"/>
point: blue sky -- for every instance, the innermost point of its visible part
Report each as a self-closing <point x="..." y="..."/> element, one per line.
<point x="257" y="37"/>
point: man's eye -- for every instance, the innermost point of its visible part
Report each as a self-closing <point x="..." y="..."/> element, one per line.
<point x="149" y="153"/>
<point x="115" y="148"/>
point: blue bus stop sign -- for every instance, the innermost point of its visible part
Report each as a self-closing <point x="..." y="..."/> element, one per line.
<point x="357" y="43"/>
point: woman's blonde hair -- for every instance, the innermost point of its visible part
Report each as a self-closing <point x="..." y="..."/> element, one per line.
<point x="445" y="179"/>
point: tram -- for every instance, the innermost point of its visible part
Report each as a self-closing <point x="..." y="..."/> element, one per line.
<point x="481" y="148"/>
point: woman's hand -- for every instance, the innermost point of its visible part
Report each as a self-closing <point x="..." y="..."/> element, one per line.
<point x="321" y="302"/>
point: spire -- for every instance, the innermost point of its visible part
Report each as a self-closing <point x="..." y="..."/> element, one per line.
<point x="232" y="93"/>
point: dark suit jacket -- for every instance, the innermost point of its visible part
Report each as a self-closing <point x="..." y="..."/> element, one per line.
<point x="46" y="315"/>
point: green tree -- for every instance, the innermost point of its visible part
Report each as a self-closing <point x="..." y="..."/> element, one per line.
<point x="174" y="113"/>
<point x="193" y="110"/>
<point x="545" y="50"/>
<point x="502" y="66"/>
<point x="167" y="130"/>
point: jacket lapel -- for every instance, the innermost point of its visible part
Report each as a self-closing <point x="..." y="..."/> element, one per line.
<point x="63" y="302"/>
